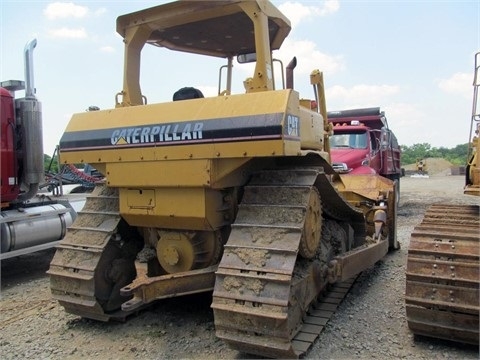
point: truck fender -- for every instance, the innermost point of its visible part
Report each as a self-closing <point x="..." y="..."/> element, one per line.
<point x="363" y="170"/>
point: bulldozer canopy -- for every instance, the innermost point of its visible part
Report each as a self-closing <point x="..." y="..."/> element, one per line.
<point x="216" y="28"/>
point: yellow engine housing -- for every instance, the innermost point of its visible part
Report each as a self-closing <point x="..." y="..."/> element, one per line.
<point x="173" y="161"/>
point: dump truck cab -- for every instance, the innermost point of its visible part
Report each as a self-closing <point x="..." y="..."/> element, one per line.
<point x="362" y="143"/>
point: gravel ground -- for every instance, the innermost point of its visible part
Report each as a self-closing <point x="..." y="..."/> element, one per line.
<point x="370" y="323"/>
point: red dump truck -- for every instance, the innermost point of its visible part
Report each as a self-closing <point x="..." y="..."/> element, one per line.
<point x="362" y="143"/>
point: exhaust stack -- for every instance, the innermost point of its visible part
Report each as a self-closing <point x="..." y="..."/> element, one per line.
<point x="29" y="117"/>
<point x="291" y="65"/>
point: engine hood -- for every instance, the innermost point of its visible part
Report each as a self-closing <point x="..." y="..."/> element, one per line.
<point x="351" y="157"/>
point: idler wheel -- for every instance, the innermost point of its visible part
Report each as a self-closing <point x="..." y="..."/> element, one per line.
<point x="313" y="226"/>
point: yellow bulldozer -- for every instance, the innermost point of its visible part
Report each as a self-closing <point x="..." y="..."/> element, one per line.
<point x="443" y="267"/>
<point x="233" y="193"/>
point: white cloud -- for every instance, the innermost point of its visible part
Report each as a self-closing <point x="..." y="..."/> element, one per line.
<point x="308" y="57"/>
<point x="68" y="33"/>
<point x="408" y="122"/>
<point x="458" y="83"/>
<point x="100" y="11"/>
<point x="405" y="115"/>
<point x="62" y="10"/>
<point x="331" y="6"/>
<point x="297" y="12"/>
<point x="360" y="95"/>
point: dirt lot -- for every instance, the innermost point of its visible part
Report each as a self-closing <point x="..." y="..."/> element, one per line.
<point x="370" y="323"/>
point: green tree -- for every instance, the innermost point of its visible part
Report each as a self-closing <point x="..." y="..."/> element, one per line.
<point x="50" y="164"/>
<point x="456" y="155"/>
<point x="410" y="154"/>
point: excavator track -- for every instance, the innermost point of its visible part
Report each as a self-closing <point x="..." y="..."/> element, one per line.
<point x="265" y="296"/>
<point x="442" y="279"/>
<point x="93" y="261"/>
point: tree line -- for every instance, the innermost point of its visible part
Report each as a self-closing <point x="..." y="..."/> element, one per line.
<point x="456" y="155"/>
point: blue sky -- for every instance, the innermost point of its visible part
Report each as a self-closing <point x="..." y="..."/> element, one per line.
<point x="414" y="59"/>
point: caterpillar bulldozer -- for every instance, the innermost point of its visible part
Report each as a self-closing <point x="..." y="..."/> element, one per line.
<point x="443" y="278"/>
<point x="233" y="193"/>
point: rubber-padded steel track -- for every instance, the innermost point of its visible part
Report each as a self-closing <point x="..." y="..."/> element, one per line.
<point x="263" y="291"/>
<point x="442" y="280"/>
<point x="81" y="260"/>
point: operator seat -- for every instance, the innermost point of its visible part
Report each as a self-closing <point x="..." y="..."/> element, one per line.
<point x="187" y="93"/>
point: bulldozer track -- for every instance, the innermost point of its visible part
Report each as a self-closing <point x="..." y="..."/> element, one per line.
<point x="442" y="279"/>
<point x="267" y="301"/>
<point x="77" y="265"/>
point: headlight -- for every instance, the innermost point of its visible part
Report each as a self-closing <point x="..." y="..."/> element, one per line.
<point x="341" y="168"/>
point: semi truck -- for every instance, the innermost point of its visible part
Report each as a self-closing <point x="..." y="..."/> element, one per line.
<point x="28" y="222"/>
